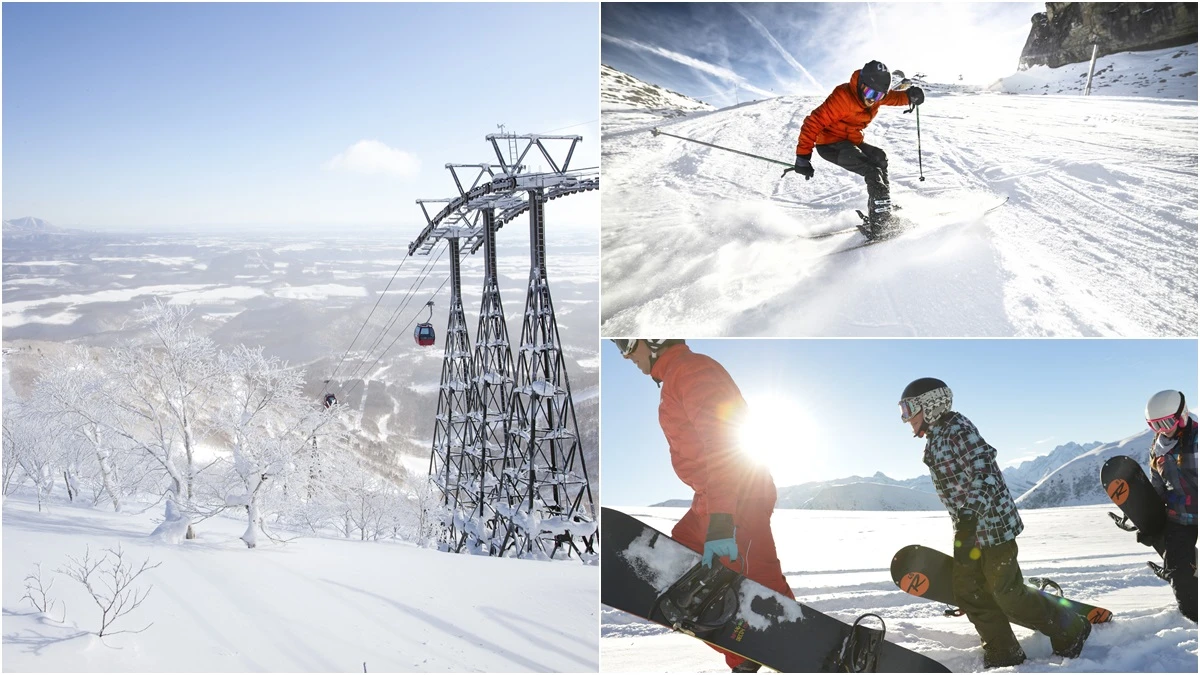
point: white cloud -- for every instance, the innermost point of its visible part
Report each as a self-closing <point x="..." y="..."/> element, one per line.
<point x="374" y="157"/>
<point x="719" y="72"/>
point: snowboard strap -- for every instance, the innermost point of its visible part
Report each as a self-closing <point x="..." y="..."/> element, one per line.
<point x="952" y="612"/>
<point x="1159" y="571"/>
<point x="860" y="648"/>
<point x="1122" y="522"/>
<point x="1042" y="583"/>
<point x="700" y="602"/>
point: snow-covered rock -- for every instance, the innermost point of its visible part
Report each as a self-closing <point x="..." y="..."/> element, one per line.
<point x="1162" y="73"/>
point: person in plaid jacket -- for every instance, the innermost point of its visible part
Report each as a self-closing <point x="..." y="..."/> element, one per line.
<point x="988" y="584"/>
<point x="1173" y="474"/>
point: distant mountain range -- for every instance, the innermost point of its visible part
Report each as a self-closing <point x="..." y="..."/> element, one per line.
<point x="30" y="225"/>
<point x="1068" y="476"/>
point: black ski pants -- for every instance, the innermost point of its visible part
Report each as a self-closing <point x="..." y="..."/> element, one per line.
<point x="1179" y="558"/>
<point x="992" y="591"/>
<point x="865" y="160"/>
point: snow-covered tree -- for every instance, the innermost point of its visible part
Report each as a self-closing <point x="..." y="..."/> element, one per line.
<point x="75" y="392"/>
<point x="269" y="426"/>
<point x="168" y="384"/>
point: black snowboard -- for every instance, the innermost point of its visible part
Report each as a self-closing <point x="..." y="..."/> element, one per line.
<point x="646" y="573"/>
<point x="1129" y="488"/>
<point x="929" y="573"/>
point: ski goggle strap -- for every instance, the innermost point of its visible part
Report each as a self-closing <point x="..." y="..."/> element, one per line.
<point x="626" y="346"/>
<point x="872" y="95"/>
<point x="909" y="409"/>
<point x="1166" y="425"/>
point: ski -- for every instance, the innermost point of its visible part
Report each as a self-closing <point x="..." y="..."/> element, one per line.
<point x="901" y="230"/>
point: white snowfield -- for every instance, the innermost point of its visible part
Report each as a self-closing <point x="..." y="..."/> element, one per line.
<point x="838" y="562"/>
<point x="1098" y="237"/>
<point x="311" y="605"/>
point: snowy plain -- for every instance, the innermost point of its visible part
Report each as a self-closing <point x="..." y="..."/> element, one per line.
<point x="312" y="604"/>
<point x="1098" y="236"/>
<point x="838" y="563"/>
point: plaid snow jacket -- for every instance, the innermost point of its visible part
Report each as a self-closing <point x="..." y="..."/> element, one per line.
<point x="1173" y="474"/>
<point x="967" y="479"/>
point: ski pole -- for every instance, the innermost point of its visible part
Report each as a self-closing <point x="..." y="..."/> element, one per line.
<point x="655" y="131"/>
<point x="920" y="164"/>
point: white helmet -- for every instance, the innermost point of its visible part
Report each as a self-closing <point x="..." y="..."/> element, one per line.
<point x="1166" y="411"/>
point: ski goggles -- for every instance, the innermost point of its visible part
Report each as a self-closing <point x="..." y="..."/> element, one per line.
<point x="1166" y="425"/>
<point x="909" y="409"/>
<point x="626" y="346"/>
<point x="872" y="95"/>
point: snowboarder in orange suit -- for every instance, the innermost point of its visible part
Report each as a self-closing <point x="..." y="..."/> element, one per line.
<point x="700" y="412"/>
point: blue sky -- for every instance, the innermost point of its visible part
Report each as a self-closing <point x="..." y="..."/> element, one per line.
<point x="838" y="400"/>
<point x="725" y="52"/>
<point x="172" y="116"/>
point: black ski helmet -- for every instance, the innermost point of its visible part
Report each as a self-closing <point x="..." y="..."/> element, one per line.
<point x="876" y="76"/>
<point x="921" y="386"/>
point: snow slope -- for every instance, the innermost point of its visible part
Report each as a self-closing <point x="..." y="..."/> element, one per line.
<point x="1098" y="237"/>
<point x="1162" y="73"/>
<point x="308" y="605"/>
<point x="1022" y="477"/>
<point x="1078" y="481"/>
<point x="847" y="575"/>
<point x="625" y="100"/>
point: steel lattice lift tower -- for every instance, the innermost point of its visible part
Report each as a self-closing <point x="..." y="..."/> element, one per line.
<point x="512" y="475"/>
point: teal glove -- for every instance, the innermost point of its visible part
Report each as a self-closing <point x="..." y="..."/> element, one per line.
<point x="721" y="540"/>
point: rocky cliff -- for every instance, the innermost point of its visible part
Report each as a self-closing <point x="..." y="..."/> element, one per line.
<point x="1066" y="31"/>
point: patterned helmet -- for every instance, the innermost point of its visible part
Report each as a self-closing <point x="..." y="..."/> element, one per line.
<point x="928" y="394"/>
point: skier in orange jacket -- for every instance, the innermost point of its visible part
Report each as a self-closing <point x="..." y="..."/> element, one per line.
<point x="835" y="129"/>
<point x="700" y="411"/>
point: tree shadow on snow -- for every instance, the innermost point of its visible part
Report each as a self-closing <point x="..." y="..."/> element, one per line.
<point x="450" y="629"/>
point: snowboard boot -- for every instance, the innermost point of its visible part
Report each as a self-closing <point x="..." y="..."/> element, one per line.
<point x="747" y="666"/>
<point x="1071" y="643"/>
<point x="1003" y="658"/>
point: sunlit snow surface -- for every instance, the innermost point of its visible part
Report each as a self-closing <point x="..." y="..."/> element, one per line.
<point x="838" y="562"/>
<point x="313" y="604"/>
<point x="1098" y="237"/>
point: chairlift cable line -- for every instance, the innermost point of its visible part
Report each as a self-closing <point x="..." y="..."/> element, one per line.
<point x="404" y="302"/>
<point x="364" y="324"/>
<point x="393" y="342"/>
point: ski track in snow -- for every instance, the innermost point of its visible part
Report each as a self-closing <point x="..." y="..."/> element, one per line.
<point x="314" y="604"/>
<point x="1098" y="237"/>
<point x="848" y="575"/>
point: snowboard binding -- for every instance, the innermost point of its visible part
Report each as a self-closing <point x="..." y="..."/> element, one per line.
<point x="859" y="652"/>
<point x="1042" y="583"/>
<point x="701" y="602"/>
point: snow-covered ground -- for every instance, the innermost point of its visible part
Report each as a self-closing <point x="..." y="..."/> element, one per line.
<point x="1098" y="237"/>
<point x="309" y="605"/>
<point x="838" y="562"/>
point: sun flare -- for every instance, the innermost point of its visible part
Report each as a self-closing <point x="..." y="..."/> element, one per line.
<point x="779" y="433"/>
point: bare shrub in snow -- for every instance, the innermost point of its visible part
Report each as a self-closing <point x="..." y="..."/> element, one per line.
<point x="110" y="580"/>
<point x="37" y="592"/>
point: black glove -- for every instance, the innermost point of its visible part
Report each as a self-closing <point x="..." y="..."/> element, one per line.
<point x="804" y="165"/>
<point x="915" y="96"/>
<point x="1147" y="540"/>
<point x="965" y="540"/>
